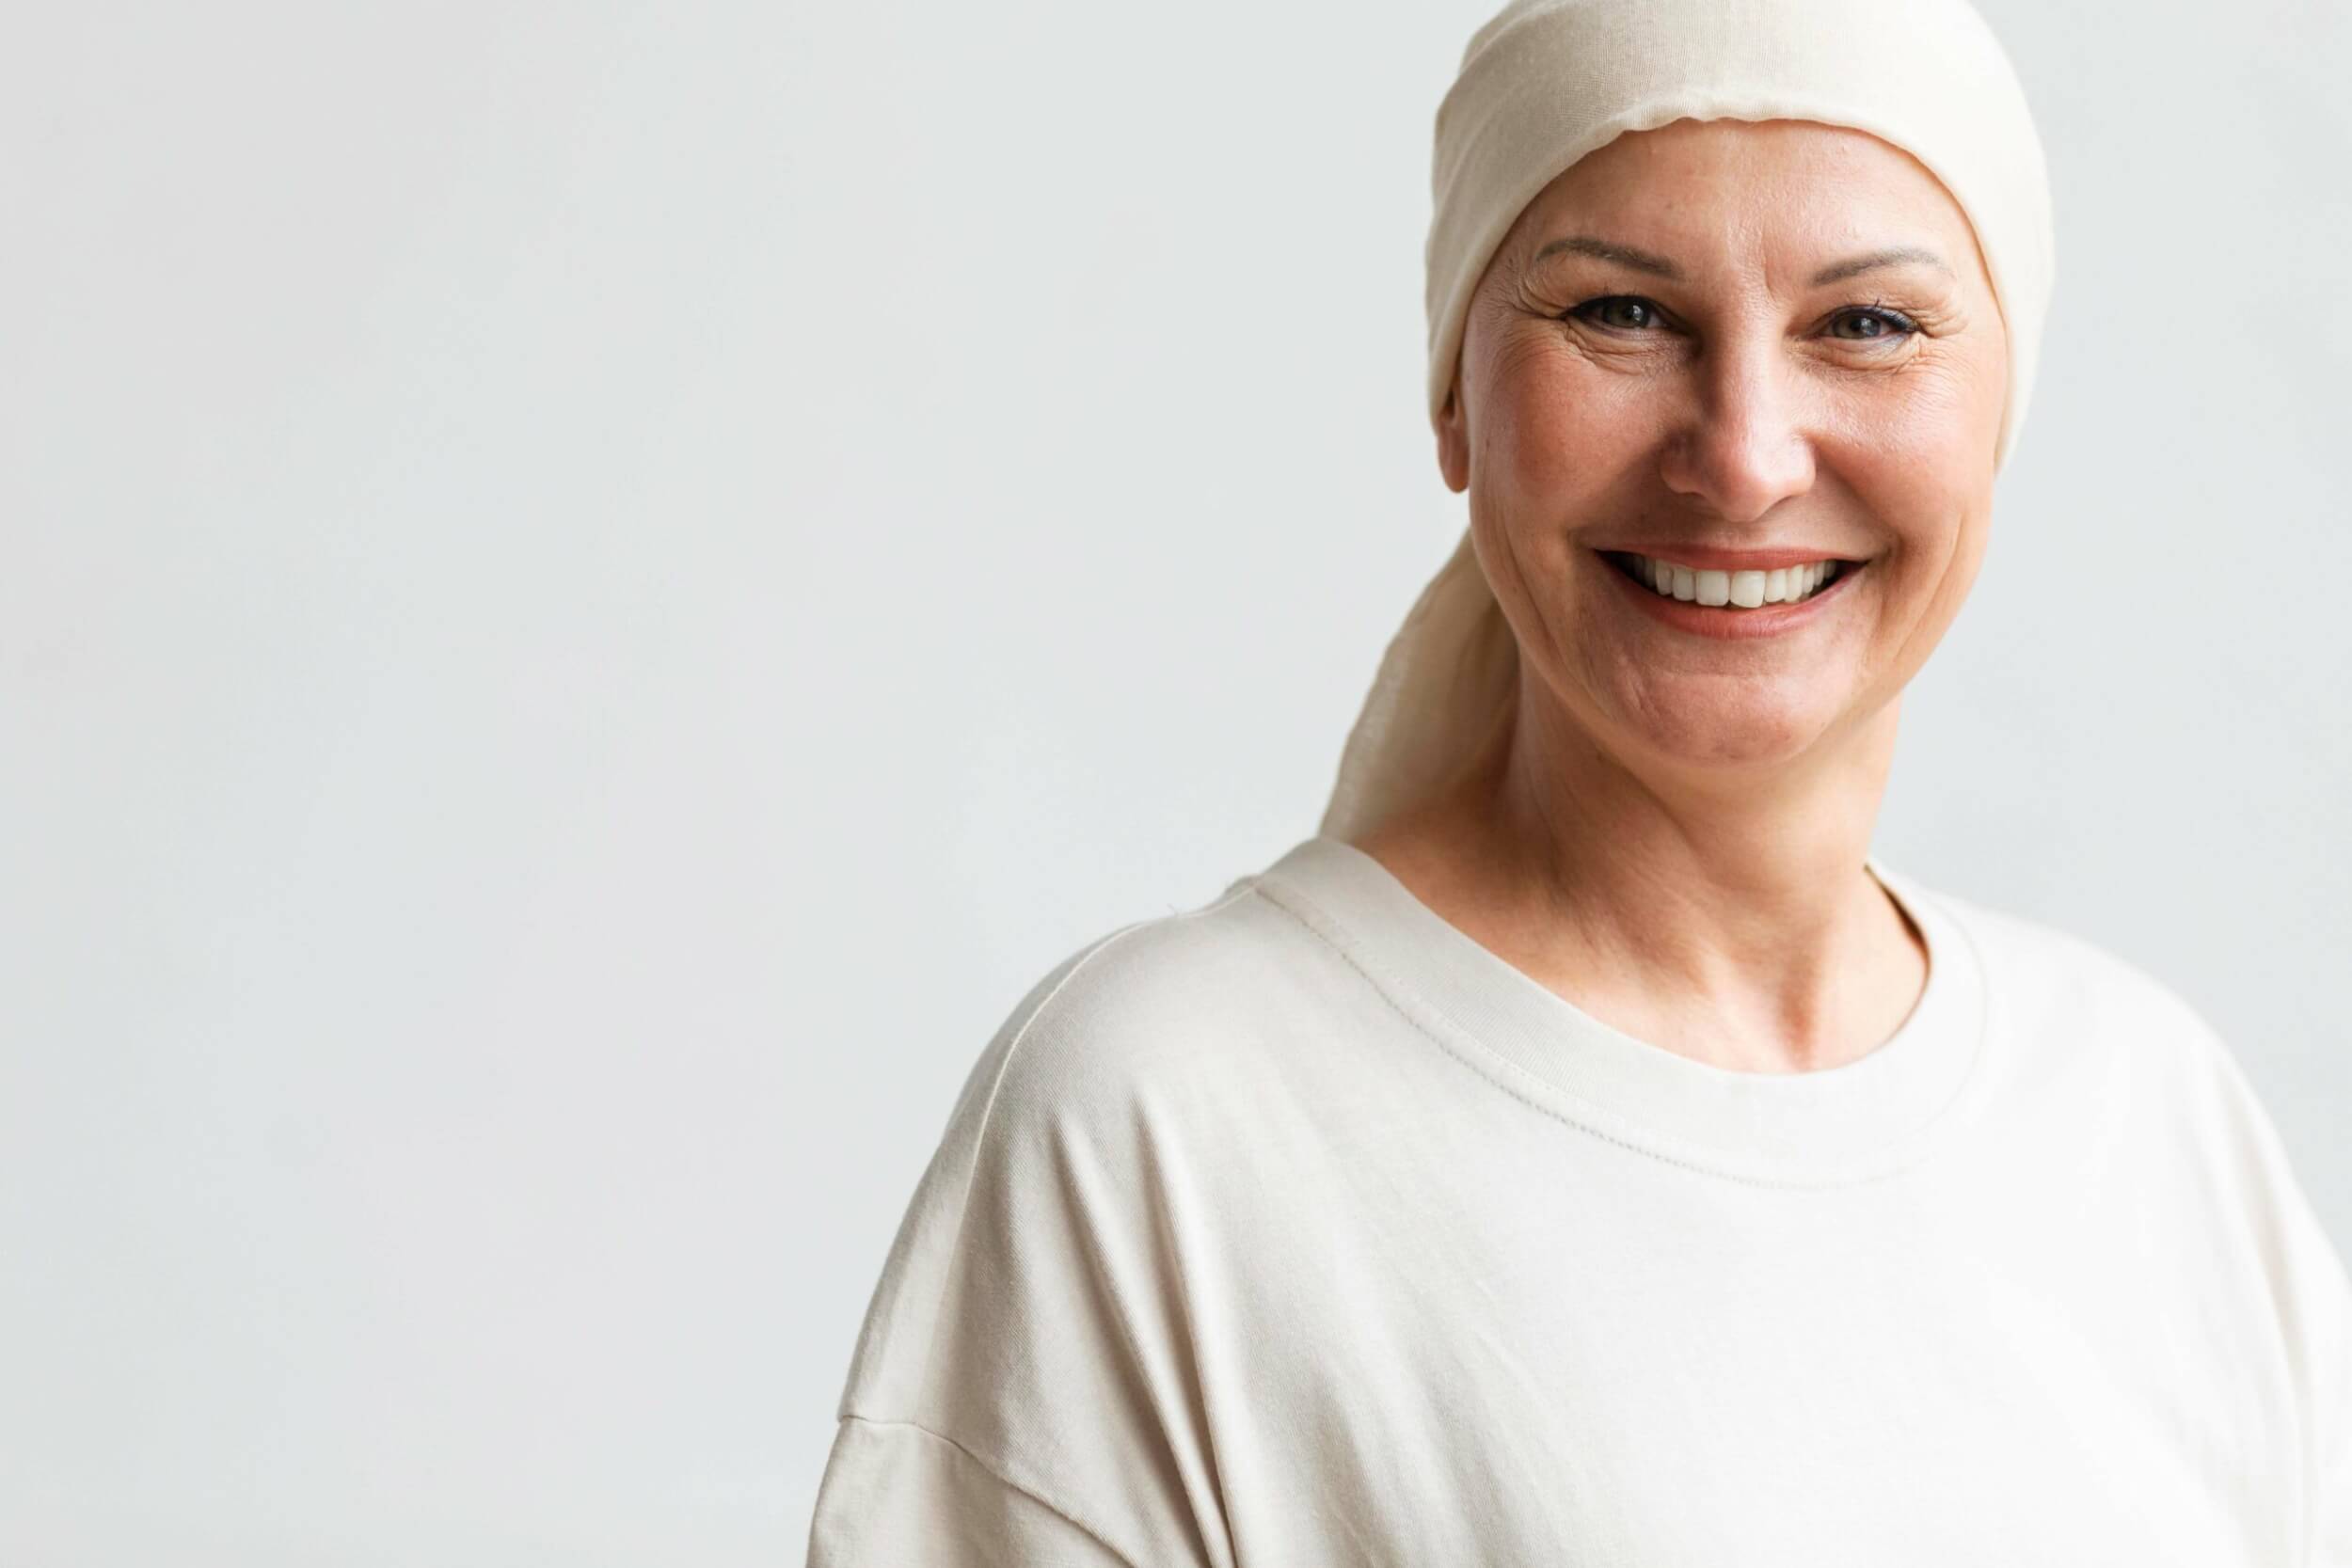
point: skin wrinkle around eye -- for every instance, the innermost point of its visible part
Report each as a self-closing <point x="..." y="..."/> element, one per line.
<point x="1670" y="344"/>
<point x="1540" y="290"/>
<point x="1906" y="313"/>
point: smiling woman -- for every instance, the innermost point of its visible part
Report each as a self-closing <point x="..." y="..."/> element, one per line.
<point x="1582" y="1149"/>
<point x="1726" y="521"/>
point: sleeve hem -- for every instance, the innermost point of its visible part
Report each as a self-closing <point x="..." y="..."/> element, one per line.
<point x="1001" y="1479"/>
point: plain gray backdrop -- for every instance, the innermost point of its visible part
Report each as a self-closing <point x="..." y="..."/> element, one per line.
<point x="591" y="593"/>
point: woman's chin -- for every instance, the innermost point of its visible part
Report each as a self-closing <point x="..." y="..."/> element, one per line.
<point x="1708" y="737"/>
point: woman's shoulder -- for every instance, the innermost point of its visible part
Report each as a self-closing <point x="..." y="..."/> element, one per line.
<point x="2069" y="1011"/>
<point x="1184" y="999"/>
<point x="2038" y="972"/>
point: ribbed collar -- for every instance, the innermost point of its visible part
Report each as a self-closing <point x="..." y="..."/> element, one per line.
<point x="1863" y="1118"/>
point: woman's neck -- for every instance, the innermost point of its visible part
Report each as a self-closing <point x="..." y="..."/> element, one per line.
<point x="1723" y="913"/>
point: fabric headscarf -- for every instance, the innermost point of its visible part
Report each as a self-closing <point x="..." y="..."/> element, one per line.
<point x="1546" y="82"/>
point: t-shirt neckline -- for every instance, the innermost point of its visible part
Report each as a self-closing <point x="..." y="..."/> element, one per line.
<point x="1863" y="1117"/>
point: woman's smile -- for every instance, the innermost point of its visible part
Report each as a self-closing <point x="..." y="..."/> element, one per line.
<point x="1728" y="602"/>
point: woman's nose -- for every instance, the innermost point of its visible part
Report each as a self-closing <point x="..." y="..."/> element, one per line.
<point x="1746" y="444"/>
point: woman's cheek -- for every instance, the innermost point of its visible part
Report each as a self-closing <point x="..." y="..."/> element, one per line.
<point x="1941" y="410"/>
<point x="1580" y="419"/>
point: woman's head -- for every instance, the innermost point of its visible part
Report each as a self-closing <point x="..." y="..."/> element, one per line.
<point x="1751" y="146"/>
<point x="1716" y="337"/>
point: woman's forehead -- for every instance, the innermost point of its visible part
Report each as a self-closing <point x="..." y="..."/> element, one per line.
<point x="1786" y="186"/>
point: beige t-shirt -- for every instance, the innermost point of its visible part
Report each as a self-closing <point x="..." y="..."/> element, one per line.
<point x="1300" y="1230"/>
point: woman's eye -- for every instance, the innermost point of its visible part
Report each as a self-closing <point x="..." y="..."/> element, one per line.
<point x="1626" y="312"/>
<point x="1632" y="313"/>
<point x="1872" y="325"/>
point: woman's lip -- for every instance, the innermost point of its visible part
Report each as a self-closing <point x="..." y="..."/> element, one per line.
<point x="1725" y="621"/>
<point x="1705" y="557"/>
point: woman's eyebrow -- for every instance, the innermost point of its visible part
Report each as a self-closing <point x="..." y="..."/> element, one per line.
<point x="1893" y="256"/>
<point x="1608" y="250"/>
<point x="1658" y="266"/>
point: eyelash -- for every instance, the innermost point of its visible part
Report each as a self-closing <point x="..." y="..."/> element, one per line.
<point x="1898" y="324"/>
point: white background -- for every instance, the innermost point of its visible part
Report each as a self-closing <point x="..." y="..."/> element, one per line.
<point x="591" y="593"/>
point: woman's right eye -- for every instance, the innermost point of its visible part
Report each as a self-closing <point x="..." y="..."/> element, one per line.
<point x="1625" y="312"/>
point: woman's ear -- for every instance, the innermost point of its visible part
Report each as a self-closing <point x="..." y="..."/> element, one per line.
<point x="1452" y="439"/>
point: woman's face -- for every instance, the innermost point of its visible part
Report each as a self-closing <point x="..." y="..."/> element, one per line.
<point x="1698" y="344"/>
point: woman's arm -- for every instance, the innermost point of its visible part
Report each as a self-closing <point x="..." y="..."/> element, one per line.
<point x="1017" y="1394"/>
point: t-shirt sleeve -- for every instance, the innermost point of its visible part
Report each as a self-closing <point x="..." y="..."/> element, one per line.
<point x="900" y="1494"/>
<point x="2332" y="1360"/>
<point x="1020" y="1391"/>
<point x="2313" y="1296"/>
<point x="2332" y="1510"/>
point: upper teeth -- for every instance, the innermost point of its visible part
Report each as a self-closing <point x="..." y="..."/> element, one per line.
<point x="1784" y="585"/>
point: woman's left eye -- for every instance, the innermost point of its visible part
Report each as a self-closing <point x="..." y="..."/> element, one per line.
<point x="1876" y="323"/>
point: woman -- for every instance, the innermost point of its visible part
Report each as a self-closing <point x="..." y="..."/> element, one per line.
<point x="1582" y="1149"/>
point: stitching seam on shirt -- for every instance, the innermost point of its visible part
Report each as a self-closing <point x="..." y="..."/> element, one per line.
<point x="1003" y="1479"/>
<point x="1381" y="984"/>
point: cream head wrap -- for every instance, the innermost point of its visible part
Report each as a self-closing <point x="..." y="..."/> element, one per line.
<point x="1546" y="80"/>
